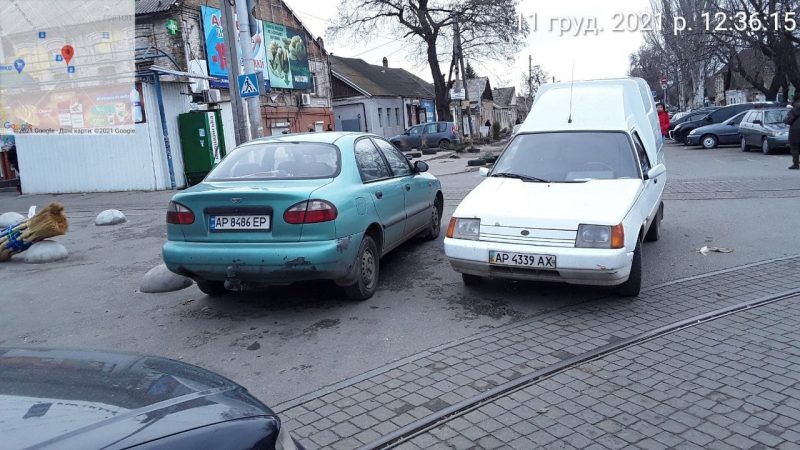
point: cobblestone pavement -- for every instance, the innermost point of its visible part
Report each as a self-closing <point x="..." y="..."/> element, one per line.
<point x="727" y="383"/>
<point x="358" y="411"/>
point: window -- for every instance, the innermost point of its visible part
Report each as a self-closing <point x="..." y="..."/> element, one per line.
<point x="398" y="162"/>
<point x="735" y="120"/>
<point x="560" y="156"/>
<point x="415" y="131"/>
<point x="138" y="105"/>
<point x="380" y="117"/>
<point x="775" y="116"/>
<point x="397" y="115"/>
<point x="430" y="128"/>
<point x="442" y="127"/>
<point x="643" y="160"/>
<point x="370" y="163"/>
<point x="279" y="161"/>
<point x="748" y="117"/>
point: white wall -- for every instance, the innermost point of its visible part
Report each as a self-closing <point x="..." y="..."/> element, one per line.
<point x="73" y="163"/>
<point x="227" y="125"/>
<point x="392" y="126"/>
<point x="352" y="111"/>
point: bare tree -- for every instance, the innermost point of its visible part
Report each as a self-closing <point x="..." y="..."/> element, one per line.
<point x="690" y="53"/>
<point x="764" y="51"/>
<point x="490" y="29"/>
<point x="531" y="81"/>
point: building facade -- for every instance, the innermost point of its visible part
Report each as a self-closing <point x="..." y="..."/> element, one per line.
<point x="505" y="107"/>
<point x="377" y="98"/>
<point x="481" y="106"/>
<point x="173" y="76"/>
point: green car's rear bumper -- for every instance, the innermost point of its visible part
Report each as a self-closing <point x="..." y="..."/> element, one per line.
<point x="272" y="263"/>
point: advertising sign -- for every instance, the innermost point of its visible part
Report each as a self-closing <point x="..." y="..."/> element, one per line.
<point x="215" y="48"/>
<point x="287" y="57"/>
<point x="212" y="130"/>
<point x="430" y="110"/>
<point x="215" y="42"/>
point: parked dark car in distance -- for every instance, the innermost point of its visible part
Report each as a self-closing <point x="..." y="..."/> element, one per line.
<point x="65" y="399"/>
<point x="710" y="136"/>
<point x="718" y="116"/>
<point x="692" y="115"/>
<point x="434" y="134"/>
<point x="764" y="129"/>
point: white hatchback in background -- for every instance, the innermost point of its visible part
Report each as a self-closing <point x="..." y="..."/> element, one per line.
<point x="573" y="195"/>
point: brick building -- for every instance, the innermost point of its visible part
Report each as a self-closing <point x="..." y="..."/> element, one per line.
<point x="281" y="109"/>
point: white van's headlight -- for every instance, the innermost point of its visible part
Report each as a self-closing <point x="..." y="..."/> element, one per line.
<point x="600" y="236"/>
<point x="464" y="229"/>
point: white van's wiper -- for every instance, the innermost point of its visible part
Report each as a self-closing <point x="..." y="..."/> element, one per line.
<point x="519" y="177"/>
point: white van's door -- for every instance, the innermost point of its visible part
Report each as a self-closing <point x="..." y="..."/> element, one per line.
<point x="653" y="188"/>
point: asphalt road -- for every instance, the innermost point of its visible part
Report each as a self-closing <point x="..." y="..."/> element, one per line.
<point x="283" y="342"/>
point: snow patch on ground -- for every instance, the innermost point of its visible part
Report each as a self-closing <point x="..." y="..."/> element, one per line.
<point x="110" y="217"/>
<point x="160" y="279"/>
<point x="44" y="252"/>
<point x="10" y="218"/>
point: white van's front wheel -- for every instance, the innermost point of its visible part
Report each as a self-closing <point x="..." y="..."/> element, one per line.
<point x="633" y="286"/>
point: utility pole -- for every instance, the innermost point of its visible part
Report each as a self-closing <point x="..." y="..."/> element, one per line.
<point x="232" y="55"/>
<point x="460" y="111"/>
<point x="530" y="76"/>
<point x="464" y="72"/>
<point x="245" y="38"/>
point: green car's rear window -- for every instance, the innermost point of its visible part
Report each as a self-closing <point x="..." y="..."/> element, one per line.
<point x="279" y="161"/>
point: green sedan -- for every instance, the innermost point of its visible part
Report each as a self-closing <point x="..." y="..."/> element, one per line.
<point x="301" y="207"/>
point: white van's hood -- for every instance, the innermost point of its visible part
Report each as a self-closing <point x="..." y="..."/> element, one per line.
<point x="508" y="202"/>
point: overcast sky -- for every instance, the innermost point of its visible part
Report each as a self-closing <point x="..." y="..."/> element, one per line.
<point x="595" y="56"/>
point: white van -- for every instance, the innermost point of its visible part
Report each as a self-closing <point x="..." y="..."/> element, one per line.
<point x="572" y="196"/>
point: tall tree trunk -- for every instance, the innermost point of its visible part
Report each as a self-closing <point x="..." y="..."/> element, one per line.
<point x="439" y="85"/>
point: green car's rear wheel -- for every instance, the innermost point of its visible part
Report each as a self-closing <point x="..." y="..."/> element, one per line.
<point x="367" y="269"/>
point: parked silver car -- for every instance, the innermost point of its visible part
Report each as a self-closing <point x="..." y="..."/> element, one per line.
<point x="764" y="129"/>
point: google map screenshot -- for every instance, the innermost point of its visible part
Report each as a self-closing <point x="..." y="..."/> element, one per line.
<point x="412" y="224"/>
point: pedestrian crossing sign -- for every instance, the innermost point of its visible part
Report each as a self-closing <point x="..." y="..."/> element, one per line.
<point x="248" y="85"/>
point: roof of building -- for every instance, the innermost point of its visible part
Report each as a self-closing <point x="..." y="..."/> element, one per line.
<point x="523" y="102"/>
<point x="153" y="6"/>
<point x="376" y="80"/>
<point x="476" y="87"/>
<point x="503" y="96"/>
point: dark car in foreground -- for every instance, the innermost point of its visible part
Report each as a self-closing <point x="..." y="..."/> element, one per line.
<point x="764" y="129"/>
<point x="710" y="136"/>
<point x="718" y="116"/>
<point x="76" y="399"/>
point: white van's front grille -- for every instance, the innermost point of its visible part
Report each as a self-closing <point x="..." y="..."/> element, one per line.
<point x="528" y="236"/>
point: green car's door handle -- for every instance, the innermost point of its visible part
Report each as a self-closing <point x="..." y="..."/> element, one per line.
<point x="379" y="194"/>
<point x="408" y="187"/>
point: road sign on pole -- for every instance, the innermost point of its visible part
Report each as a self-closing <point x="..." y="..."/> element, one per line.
<point x="248" y="85"/>
<point x="663" y="82"/>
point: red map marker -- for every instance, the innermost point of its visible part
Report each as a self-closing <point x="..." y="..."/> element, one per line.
<point x="67" y="52"/>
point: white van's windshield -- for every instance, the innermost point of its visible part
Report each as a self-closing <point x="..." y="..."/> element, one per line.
<point x="568" y="157"/>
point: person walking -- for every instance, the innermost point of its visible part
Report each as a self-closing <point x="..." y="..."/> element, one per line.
<point x="663" y="119"/>
<point x="794" y="132"/>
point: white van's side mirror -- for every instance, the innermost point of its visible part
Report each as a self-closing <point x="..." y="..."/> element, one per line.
<point x="483" y="171"/>
<point x="655" y="172"/>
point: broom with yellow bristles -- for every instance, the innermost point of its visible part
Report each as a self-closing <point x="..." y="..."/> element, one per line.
<point x="49" y="222"/>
